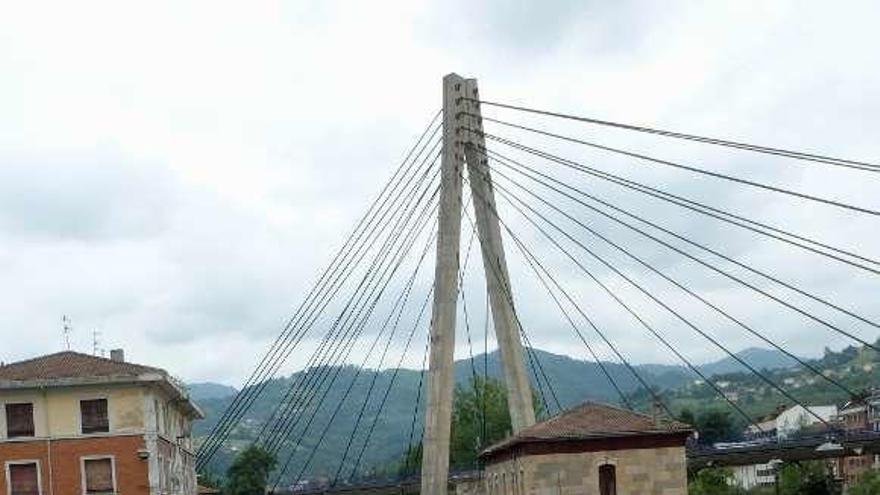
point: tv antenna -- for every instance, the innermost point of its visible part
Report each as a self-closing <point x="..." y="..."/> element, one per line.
<point x="66" y="328"/>
<point x="96" y="343"/>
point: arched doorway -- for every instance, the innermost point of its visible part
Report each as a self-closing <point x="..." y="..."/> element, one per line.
<point x="607" y="480"/>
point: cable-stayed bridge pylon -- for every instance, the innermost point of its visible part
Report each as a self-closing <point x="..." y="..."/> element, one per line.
<point x="376" y="290"/>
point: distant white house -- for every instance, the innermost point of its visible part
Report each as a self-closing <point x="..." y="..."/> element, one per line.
<point x="796" y="418"/>
<point x="783" y="423"/>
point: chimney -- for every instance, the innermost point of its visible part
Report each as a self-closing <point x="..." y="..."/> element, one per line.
<point x="117" y="355"/>
<point x="657" y="413"/>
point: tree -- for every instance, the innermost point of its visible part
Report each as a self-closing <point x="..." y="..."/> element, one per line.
<point x="483" y="396"/>
<point x="411" y="461"/>
<point x="479" y="418"/>
<point x="687" y="417"/>
<point x="713" y="425"/>
<point x="869" y="484"/>
<point x="249" y="473"/>
<point x="806" y="478"/>
<point x="713" y="481"/>
<point x="208" y="480"/>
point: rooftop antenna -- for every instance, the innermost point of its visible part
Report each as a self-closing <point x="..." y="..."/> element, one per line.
<point x="96" y="343"/>
<point x="66" y="329"/>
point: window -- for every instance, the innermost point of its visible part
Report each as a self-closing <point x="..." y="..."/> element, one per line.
<point x="23" y="478"/>
<point x="19" y="420"/>
<point x="94" y="416"/>
<point x="98" y="476"/>
<point x="607" y="480"/>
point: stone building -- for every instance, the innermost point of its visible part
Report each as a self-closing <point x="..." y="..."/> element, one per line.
<point x="74" y="424"/>
<point x="592" y="449"/>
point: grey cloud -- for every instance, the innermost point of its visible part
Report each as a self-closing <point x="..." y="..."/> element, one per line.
<point x="83" y="196"/>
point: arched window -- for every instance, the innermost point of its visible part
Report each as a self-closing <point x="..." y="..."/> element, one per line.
<point x="607" y="480"/>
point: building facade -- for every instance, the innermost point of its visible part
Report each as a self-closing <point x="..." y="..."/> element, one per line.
<point x="592" y="449"/>
<point x="859" y="414"/>
<point x="74" y="424"/>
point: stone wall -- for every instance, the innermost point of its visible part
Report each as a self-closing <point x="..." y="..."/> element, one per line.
<point x="648" y="471"/>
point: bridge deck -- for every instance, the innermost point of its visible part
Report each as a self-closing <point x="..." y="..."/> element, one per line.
<point x="815" y="447"/>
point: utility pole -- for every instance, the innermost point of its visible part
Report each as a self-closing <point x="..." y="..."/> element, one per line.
<point x="507" y="331"/>
<point x="460" y="113"/>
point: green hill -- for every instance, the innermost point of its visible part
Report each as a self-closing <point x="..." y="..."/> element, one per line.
<point x="573" y="382"/>
<point x="856" y="368"/>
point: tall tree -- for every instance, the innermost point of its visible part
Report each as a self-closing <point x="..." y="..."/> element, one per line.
<point x="482" y="400"/>
<point x="479" y="418"/>
<point x="249" y="473"/>
<point x="806" y="478"/>
<point x="713" y="481"/>
<point x="869" y="484"/>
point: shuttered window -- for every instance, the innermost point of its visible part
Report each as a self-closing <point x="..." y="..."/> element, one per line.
<point x="24" y="479"/>
<point x="607" y="480"/>
<point x="19" y="420"/>
<point x="94" y="416"/>
<point x="98" y="475"/>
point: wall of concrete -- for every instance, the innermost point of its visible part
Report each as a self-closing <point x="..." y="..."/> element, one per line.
<point x="35" y="397"/>
<point x="124" y="406"/>
<point x="57" y="414"/>
<point x="650" y="471"/>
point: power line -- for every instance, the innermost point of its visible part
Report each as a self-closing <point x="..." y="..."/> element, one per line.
<point x="287" y="404"/>
<point x="637" y="317"/>
<point x="531" y="260"/>
<point x="495" y="269"/>
<point x="515" y="166"/>
<point x="530" y="257"/>
<point x="391" y="383"/>
<point x="342" y="400"/>
<point x="669" y="279"/>
<point x="739" y="280"/>
<point x="317" y="379"/>
<point x="418" y="400"/>
<point x="394" y="222"/>
<point x="798" y="155"/>
<point x="249" y="392"/>
<point x="689" y="168"/>
<point x="401" y="304"/>
<point x="347" y="336"/>
<point x="654" y="298"/>
<point x="698" y="207"/>
<point x="347" y="342"/>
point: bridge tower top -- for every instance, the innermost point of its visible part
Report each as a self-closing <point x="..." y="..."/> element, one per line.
<point x="464" y="144"/>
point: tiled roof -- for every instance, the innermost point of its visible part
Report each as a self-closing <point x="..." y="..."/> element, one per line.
<point x="592" y="420"/>
<point x="70" y="364"/>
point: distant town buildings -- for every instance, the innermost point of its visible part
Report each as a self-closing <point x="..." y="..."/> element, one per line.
<point x="75" y="424"/>
<point x="859" y="414"/>
<point x="783" y="423"/>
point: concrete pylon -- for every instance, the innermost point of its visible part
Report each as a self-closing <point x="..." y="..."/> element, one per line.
<point x="438" y="412"/>
<point x="461" y="118"/>
<point x="519" y="392"/>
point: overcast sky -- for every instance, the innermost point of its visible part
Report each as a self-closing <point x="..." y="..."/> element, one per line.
<point x="175" y="174"/>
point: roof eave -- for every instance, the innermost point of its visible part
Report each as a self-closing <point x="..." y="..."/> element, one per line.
<point x="515" y="442"/>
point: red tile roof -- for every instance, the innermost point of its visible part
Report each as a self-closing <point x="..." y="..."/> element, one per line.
<point x="70" y="364"/>
<point x="592" y="420"/>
